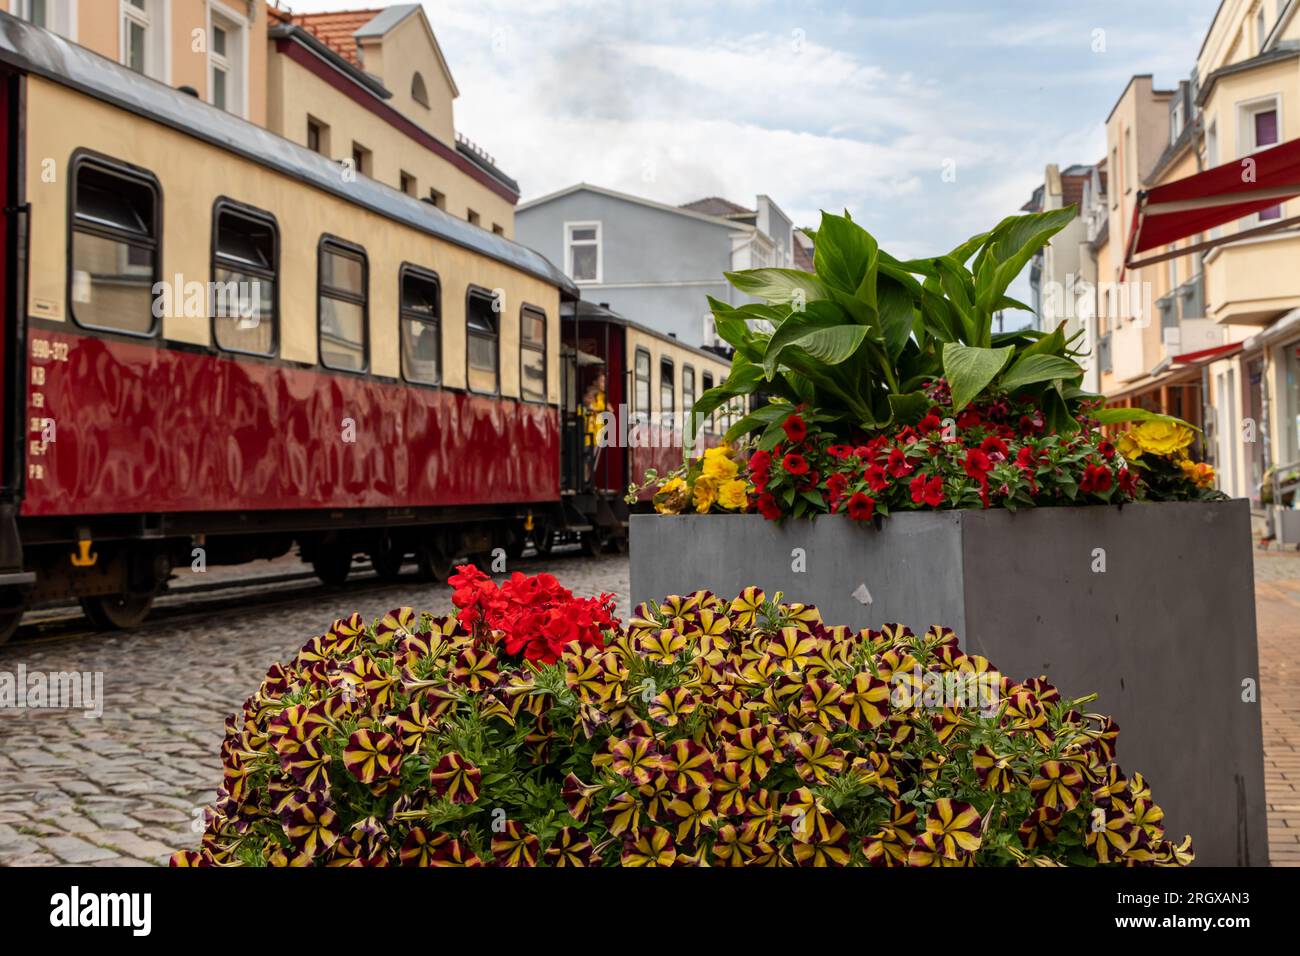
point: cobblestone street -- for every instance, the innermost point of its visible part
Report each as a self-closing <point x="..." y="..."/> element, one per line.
<point x="123" y="789"/>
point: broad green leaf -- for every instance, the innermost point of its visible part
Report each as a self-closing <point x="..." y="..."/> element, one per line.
<point x="830" y="346"/>
<point x="766" y="415"/>
<point x="1030" y="369"/>
<point x="896" y="316"/>
<point x="778" y="286"/>
<point x="910" y="408"/>
<point x="1114" y="416"/>
<point x="845" y="254"/>
<point x="819" y="315"/>
<point x="970" y="369"/>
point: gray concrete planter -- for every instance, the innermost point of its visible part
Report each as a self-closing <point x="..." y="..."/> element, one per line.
<point x="1165" y="634"/>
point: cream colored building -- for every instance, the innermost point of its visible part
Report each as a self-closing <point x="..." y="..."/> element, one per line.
<point x="369" y="88"/>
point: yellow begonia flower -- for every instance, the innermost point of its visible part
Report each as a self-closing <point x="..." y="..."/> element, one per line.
<point x="1161" y="438"/>
<point x="706" y="493"/>
<point x="670" y="499"/>
<point x="733" y="494"/>
<point x="718" y="465"/>
<point x="1128" y="447"/>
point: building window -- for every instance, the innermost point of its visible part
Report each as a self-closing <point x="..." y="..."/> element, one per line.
<point x="1130" y="162"/>
<point x="482" y="341"/>
<point x="688" y="390"/>
<point x="471" y="217"/>
<point x="52" y="15"/>
<point x="498" y="229"/>
<point x="226" y="62"/>
<point x="667" y="392"/>
<point x="437" y="199"/>
<point x="318" y="136"/>
<point x="641" y="387"/>
<point x="360" y="159"/>
<point x="135" y="35"/>
<point x="532" y="354"/>
<point x="582" y="259"/>
<point x="1261" y="31"/>
<point x="245" y="263"/>
<point x="1261" y="129"/>
<point x="343" y="286"/>
<point x="706" y="383"/>
<point x="407" y="184"/>
<point x="419" y="92"/>
<point x="115" y="241"/>
<point x="421" y="321"/>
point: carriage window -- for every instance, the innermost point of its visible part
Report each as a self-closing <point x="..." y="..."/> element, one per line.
<point x="706" y="383"/>
<point x="114" y="249"/>
<point x="532" y="355"/>
<point x="688" y="389"/>
<point x="343" y="288"/>
<point x="481" y="316"/>
<point x="244" y="262"/>
<point x="641" y="387"/>
<point x="421" y="321"/>
<point x="667" y="389"/>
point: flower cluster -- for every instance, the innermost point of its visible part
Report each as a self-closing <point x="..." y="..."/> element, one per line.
<point x="535" y="616"/>
<point x="706" y="732"/>
<point x="711" y="482"/>
<point x="1159" y="450"/>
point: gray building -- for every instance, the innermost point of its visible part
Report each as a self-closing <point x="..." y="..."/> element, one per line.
<point x="653" y="262"/>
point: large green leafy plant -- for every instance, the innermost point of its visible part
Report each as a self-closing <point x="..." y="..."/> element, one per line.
<point x="860" y="337"/>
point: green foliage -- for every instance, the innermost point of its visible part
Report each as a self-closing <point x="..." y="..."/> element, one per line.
<point x="858" y="338"/>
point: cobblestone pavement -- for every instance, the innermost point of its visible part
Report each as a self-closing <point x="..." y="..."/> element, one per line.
<point x="122" y="790"/>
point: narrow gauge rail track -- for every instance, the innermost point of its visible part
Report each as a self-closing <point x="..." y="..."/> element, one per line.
<point x="176" y="605"/>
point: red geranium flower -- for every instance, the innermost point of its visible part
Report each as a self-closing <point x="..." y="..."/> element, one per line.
<point x="861" y="507"/>
<point x="795" y="463"/>
<point x="927" y="491"/>
<point x="795" y="429"/>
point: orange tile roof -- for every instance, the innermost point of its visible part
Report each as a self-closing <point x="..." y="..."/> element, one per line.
<point x="333" y="29"/>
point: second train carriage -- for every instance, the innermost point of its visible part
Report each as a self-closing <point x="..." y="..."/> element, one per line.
<point x="403" y="391"/>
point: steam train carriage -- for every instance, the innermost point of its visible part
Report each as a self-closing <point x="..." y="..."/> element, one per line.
<point x="380" y="378"/>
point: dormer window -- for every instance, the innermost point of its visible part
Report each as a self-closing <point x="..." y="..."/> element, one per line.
<point x="419" y="92"/>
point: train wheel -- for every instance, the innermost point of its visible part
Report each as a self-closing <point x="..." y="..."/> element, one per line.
<point x="387" y="563"/>
<point x="434" y="565"/>
<point x="9" y="622"/>
<point x="593" y="541"/>
<point x="332" y="566"/>
<point x="116" y="612"/>
<point x="544" y="541"/>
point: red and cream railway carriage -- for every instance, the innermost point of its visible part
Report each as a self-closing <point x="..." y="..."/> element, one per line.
<point x="219" y="345"/>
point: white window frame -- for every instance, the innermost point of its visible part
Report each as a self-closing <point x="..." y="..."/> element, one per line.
<point x="156" y="20"/>
<point x="598" y="242"/>
<point x="61" y="15"/>
<point x="236" y="67"/>
<point x="1246" y="145"/>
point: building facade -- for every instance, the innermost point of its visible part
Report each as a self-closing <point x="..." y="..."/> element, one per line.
<point x="368" y="88"/>
<point x="657" y="263"/>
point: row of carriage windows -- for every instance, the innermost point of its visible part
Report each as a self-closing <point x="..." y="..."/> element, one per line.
<point x="718" y="421"/>
<point x="115" y="237"/>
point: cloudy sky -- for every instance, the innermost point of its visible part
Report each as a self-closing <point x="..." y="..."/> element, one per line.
<point x="821" y="105"/>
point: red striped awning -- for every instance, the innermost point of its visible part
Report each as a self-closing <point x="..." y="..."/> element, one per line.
<point x="1225" y="193"/>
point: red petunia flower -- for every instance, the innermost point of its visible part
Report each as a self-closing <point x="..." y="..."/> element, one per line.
<point x="839" y="452"/>
<point x="836" y="485"/>
<point x="994" y="447"/>
<point x="1096" y="479"/>
<point x="795" y="463"/>
<point x="927" y="491"/>
<point x="899" y="466"/>
<point x="861" y="507"/>
<point x="977" y="463"/>
<point x="876" y="478"/>
<point x="760" y="462"/>
<point x="930" y="423"/>
<point x="795" y="429"/>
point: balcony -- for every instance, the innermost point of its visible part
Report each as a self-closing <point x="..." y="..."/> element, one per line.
<point x="1183" y="325"/>
<point x="1252" y="282"/>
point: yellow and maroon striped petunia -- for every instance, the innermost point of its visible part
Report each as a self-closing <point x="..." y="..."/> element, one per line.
<point x="730" y="785"/>
<point x="729" y="847"/>
<point x="577" y="796"/>
<point x="792" y="648"/>
<point x="866" y="702"/>
<point x="312" y="828"/>
<point x="455" y="779"/>
<point x="955" y="827"/>
<point x="308" y="763"/>
<point x="816" y="759"/>
<point x="651" y="846"/>
<point x="396" y="624"/>
<point x="636" y="758"/>
<point x="570" y="848"/>
<point x="1058" y="784"/>
<point x="995" y="772"/>
<point x="661" y="646"/>
<point x="829" y="846"/>
<point x="745" y="608"/>
<point x="1110" y="834"/>
<point x="672" y="705"/>
<point x="823" y="702"/>
<point x="688" y="765"/>
<point x="695" y="814"/>
<point x="515" y="846"/>
<point x="476" y="669"/>
<point x="372" y="756"/>
<point x="622" y="814"/>
<point x="754" y="749"/>
<point x="345" y="634"/>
